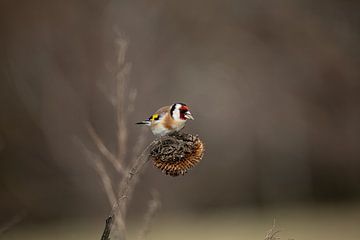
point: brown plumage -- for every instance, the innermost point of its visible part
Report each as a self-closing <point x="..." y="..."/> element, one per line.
<point x="168" y="119"/>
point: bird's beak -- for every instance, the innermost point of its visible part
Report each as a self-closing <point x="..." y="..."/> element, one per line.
<point x="188" y="115"/>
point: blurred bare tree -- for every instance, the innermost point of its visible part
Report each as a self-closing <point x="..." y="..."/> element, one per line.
<point x="120" y="193"/>
<point x="275" y="81"/>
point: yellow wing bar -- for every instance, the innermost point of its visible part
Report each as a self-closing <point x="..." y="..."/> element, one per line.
<point x="154" y="117"/>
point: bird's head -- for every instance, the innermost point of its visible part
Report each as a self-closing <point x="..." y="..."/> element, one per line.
<point x="180" y="111"/>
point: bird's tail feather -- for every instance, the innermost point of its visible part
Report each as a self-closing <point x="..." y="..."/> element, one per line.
<point x="144" y="122"/>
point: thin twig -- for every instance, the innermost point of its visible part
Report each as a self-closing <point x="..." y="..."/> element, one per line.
<point x="131" y="102"/>
<point x="140" y="143"/>
<point x="123" y="45"/>
<point x="122" y="133"/>
<point x="128" y="182"/>
<point x="104" y="150"/>
<point x="272" y="233"/>
<point x="118" y="212"/>
<point x="123" y="103"/>
<point x="121" y="77"/>
<point x="11" y="223"/>
<point x="106" y="181"/>
<point x="153" y="207"/>
<point x="136" y="155"/>
<point x="108" y="187"/>
<point x="108" y="226"/>
<point x="100" y="169"/>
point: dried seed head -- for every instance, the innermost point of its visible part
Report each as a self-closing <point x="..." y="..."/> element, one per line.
<point x="175" y="154"/>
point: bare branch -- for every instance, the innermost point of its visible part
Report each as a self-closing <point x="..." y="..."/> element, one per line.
<point x="123" y="102"/>
<point x="140" y="143"/>
<point x="108" y="186"/>
<point x="120" y="110"/>
<point x="129" y="181"/>
<point x="123" y="45"/>
<point x="121" y="77"/>
<point x="132" y="97"/>
<point x="272" y="233"/>
<point x="99" y="166"/>
<point x="100" y="169"/>
<point x="136" y="158"/>
<point x="153" y="207"/>
<point x="108" y="93"/>
<point x="11" y="223"/>
<point x="118" y="212"/>
<point x="104" y="150"/>
<point x="108" y="226"/>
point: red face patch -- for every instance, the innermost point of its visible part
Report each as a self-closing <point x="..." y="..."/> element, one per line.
<point x="183" y="109"/>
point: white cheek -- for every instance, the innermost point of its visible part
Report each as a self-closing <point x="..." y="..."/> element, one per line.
<point x="176" y="114"/>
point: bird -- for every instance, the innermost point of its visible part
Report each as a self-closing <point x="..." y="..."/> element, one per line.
<point x="169" y="119"/>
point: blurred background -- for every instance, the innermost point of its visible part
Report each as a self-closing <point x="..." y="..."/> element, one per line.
<point x="273" y="86"/>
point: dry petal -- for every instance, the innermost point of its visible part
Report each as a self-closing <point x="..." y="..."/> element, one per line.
<point x="177" y="153"/>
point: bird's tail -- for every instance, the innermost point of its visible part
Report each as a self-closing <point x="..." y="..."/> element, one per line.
<point x="146" y="122"/>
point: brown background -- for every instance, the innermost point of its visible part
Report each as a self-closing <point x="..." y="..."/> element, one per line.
<point x="273" y="85"/>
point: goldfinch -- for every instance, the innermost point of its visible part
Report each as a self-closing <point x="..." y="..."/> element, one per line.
<point x="168" y="119"/>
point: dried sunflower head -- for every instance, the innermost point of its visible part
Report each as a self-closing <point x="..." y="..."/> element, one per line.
<point x="175" y="154"/>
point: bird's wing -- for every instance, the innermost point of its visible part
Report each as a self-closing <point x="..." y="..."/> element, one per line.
<point x="160" y="113"/>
